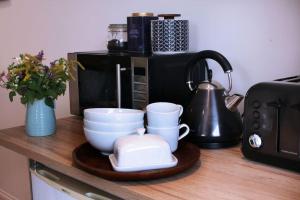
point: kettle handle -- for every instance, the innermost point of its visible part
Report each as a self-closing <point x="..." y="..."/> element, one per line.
<point x="214" y="55"/>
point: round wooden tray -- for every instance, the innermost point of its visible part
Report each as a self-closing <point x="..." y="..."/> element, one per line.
<point x="91" y="160"/>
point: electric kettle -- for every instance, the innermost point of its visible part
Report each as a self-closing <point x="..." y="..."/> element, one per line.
<point x="212" y="114"/>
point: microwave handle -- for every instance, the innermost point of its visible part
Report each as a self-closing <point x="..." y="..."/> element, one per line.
<point x="118" y="73"/>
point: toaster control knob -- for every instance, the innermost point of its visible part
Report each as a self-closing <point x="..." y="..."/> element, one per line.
<point x="256" y="114"/>
<point x="256" y="104"/>
<point x="255" y="141"/>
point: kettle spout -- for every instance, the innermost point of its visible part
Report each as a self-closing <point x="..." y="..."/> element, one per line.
<point x="231" y="102"/>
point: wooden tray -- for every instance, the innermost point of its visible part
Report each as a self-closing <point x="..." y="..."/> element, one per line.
<point x="91" y="160"/>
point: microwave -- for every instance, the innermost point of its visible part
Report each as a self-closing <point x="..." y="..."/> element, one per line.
<point x="124" y="80"/>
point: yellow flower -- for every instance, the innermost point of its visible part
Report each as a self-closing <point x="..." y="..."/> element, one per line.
<point x="27" y="76"/>
<point x="16" y="70"/>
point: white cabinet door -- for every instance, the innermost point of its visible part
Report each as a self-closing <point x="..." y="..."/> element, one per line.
<point x="48" y="184"/>
<point x="42" y="190"/>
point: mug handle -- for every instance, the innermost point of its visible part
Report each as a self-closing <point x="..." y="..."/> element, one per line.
<point x="181" y="110"/>
<point x="185" y="132"/>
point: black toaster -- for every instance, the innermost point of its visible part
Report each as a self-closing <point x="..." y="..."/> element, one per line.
<point x="271" y="125"/>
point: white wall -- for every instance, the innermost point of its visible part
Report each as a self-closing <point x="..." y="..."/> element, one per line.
<point x="261" y="38"/>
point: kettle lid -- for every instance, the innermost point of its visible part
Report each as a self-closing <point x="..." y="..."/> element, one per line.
<point x="210" y="85"/>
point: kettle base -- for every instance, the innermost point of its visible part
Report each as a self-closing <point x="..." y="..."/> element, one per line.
<point x="217" y="145"/>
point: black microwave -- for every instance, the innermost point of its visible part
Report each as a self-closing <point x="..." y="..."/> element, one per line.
<point x="126" y="80"/>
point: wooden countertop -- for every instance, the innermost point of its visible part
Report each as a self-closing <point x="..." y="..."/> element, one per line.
<point x="222" y="174"/>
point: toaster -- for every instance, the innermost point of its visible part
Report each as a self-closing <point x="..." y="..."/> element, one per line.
<point x="271" y="125"/>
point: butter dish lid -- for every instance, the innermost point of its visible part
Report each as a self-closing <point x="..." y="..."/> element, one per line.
<point x="141" y="152"/>
<point x="140" y="141"/>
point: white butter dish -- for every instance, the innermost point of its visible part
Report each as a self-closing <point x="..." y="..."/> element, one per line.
<point x="115" y="166"/>
<point x="141" y="152"/>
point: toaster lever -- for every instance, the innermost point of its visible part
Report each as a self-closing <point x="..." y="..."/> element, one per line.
<point x="277" y="104"/>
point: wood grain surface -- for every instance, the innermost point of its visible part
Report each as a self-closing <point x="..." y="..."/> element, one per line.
<point x="223" y="174"/>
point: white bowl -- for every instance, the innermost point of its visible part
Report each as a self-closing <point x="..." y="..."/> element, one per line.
<point x="104" y="141"/>
<point x="112" y="127"/>
<point x="113" y="115"/>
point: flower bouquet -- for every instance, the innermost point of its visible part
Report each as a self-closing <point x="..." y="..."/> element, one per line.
<point x="38" y="85"/>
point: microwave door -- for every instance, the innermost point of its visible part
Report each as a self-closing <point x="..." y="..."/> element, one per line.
<point x="97" y="87"/>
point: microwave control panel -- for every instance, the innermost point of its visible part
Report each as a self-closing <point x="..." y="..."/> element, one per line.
<point x="140" y="89"/>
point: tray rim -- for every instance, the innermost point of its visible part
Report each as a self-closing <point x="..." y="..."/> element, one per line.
<point x="139" y="175"/>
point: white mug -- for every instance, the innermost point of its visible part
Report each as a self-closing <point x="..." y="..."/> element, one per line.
<point x="170" y="134"/>
<point x="163" y="114"/>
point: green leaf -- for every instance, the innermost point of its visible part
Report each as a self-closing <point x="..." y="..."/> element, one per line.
<point x="11" y="95"/>
<point x="49" y="102"/>
<point x="33" y="85"/>
<point x="30" y="96"/>
<point x="52" y="93"/>
<point x="24" y="100"/>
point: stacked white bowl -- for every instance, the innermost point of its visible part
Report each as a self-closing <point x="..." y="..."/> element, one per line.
<point x="102" y="126"/>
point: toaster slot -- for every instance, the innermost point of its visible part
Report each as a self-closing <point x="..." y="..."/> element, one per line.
<point x="289" y="131"/>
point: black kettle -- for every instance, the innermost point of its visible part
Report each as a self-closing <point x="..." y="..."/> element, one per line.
<point x="212" y="114"/>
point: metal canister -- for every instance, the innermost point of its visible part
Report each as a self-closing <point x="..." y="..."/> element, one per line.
<point x="139" y="34"/>
<point x="169" y="35"/>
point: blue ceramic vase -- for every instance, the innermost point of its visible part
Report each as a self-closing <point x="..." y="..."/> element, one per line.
<point x="40" y="119"/>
